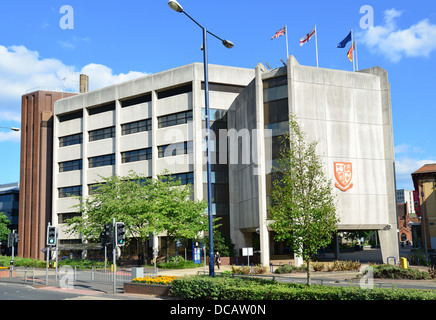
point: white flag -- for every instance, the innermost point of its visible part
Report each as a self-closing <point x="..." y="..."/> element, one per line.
<point x="308" y="36"/>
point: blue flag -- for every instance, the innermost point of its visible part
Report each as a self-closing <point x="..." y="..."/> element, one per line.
<point x="344" y="42"/>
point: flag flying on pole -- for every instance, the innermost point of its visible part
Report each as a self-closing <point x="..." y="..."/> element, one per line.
<point x="350" y="53"/>
<point x="308" y="36"/>
<point x="344" y="42"/>
<point x="279" y="33"/>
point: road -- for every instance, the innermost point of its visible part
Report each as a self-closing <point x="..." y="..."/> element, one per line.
<point x="11" y="291"/>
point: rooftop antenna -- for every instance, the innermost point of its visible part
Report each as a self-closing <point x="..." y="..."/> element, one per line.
<point x="268" y="65"/>
<point x="284" y="63"/>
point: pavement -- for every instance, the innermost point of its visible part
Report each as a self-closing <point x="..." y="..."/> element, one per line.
<point x="104" y="291"/>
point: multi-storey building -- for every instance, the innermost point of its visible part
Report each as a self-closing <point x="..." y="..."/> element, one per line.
<point x="156" y="123"/>
<point x="147" y="125"/>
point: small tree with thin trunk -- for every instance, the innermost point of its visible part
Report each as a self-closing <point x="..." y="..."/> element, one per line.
<point x="302" y="200"/>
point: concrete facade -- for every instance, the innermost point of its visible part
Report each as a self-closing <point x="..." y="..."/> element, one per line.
<point x="158" y="97"/>
<point x="349" y="114"/>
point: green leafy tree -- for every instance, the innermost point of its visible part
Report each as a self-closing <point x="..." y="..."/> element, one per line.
<point x="302" y="200"/>
<point x="4" y="226"/>
<point x="145" y="206"/>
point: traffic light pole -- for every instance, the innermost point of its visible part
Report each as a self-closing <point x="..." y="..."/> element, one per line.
<point x="48" y="257"/>
<point x="114" y="258"/>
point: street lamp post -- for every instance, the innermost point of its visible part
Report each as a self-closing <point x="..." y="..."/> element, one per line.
<point x="228" y="44"/>
<point x="13" y="129"/>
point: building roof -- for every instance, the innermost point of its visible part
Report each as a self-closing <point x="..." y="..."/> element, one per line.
<point x="427" y="168"/>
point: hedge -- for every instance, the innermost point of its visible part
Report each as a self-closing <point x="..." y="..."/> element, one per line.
<point x="227" y="288"/>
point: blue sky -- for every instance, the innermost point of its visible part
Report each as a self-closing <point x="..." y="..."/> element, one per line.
<point x="113" y="41"/>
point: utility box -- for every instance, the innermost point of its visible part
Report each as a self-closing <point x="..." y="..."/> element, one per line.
<point x="403" y="263"/>
<point x="137" y="273"/>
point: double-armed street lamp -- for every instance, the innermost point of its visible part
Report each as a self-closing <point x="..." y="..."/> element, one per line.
<point x="228" y="44"/>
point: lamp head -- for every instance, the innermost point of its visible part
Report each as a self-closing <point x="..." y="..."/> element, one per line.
<point x="173" y="4"/>
<point x="228" y="44"/>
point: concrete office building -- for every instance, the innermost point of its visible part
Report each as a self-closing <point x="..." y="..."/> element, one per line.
<point x="349" y="114"/>
<point x="146" y="125"/>
<point x="156" y="122"/>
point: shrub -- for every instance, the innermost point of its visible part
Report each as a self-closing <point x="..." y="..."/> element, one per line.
<point x="286" y="268"/>
<point x="228" y="288"/>
<point x="318" y="267"/>
<point x="180" y="265"/>
<point x="387" y="271"/>
<point x="344" y="266"/>
<point x="259" y="269"/>
<point x="241" y="270"/>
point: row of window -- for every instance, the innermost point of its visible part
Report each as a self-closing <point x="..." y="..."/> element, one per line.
<point x="186" y="88"/>
<point x="128" y="156"/>
<point x="128" y="128"/>
<point x="76" y="191"/>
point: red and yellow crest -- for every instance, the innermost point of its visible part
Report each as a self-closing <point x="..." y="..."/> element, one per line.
<point x="343" y="175"/>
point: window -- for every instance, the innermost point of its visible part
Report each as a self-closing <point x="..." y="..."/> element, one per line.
<point x="185" y="178"/>
<point x="101" y="161"/>
<point x="70" y="140"/>
<point x="223" y="87"/>
<point x="175" y="149"/>
<point x="101" y="109"/>
<point x="136" y="155"/>
<point x="63" y="217"/>
<point x="70" y="165"/>
<point x="101" y="134"/>
<point x="70" y="116"/>
<point x="70" y="192"/>
<point x="137" y="100"/>
<point x="94" y="188"/>
<point x="134" y="127"/>
<point x="276" y="111"/>
<point x="175" y="91"/>
<point x="175" y="119"/>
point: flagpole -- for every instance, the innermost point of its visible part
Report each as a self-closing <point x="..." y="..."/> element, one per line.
<point x="316" y="45"/>
<point x="352" y="52"/>
<point x="287" y="49"/>
<point x="357" y="61"/>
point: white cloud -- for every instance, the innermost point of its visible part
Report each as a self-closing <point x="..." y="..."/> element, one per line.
<point x="419" y="40"/>
<point x="405" y="166"/>
<point x="12" y="136"/>
<point x="407" y="148"/>
<point x="23" y="70"/>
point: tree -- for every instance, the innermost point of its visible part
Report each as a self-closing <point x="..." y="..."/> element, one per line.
<point x="302" y="200"/>
<point x="145" y="206"/>
<point x="4" y="226"/>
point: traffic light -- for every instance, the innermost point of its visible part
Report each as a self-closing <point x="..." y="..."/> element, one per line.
<point x="51" y="236"/>
<point x="120" y="234"/>
<point x="106" y="234"/>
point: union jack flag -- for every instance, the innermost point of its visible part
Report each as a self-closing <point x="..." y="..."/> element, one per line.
<point x="279" y="33"/>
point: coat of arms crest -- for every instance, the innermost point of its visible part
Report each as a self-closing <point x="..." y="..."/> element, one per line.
<point x="343" y="175"/>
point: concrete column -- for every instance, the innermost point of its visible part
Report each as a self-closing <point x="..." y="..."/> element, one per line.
<point x="389" y="244"/>
<point x="258" y="137"/>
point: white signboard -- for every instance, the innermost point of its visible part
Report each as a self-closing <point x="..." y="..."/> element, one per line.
<point x="247" y="252"/>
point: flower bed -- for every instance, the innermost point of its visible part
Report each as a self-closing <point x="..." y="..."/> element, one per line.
<point x="164" y="280"/>
<point x="159" y="286"/>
